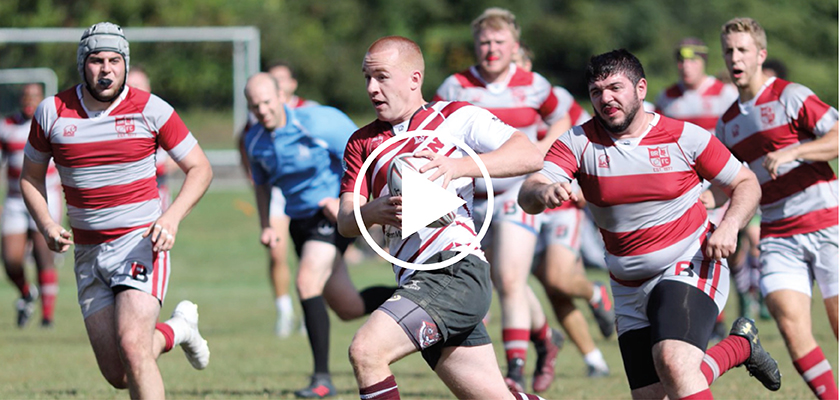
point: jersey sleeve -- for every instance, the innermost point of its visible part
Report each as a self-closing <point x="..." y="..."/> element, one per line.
<point x="550" y="109"/>
<point x="38" y="147"/>
<point x="173" y="135"/>
<point x="809" y="113"/>
<point x="486" y="132"/>
<point x="561" y="162"/>
<point x="712" y="160"/>
<point x="354" y="157"/>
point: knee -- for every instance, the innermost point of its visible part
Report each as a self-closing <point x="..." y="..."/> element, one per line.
<point x="363" y="355"/>
<point x="134" y="353"/>
<point x="669" y="364"/>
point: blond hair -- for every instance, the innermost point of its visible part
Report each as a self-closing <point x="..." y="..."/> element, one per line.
<point x="745" y="25"/>
<point x="496" y="18"/>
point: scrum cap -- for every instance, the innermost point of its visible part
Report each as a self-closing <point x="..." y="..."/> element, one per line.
<point x="103" y="36"/>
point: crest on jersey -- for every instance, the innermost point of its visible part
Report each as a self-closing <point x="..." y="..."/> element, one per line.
<point x="124" y="126"/>
<point x="659" y="157"/>
<point x="736" y="130"/>
<point x="428" y="335"/>
<point x="767" y="115"/>
<point x="603" y="161"/>
<point x="70" y="130"/>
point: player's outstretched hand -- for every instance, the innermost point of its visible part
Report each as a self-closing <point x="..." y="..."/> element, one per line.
<point x="554" y="194"/>
<point x="162" y="233"/>
<point x="58" y="239"/>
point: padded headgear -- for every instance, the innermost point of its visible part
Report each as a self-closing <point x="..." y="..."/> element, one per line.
<point x="103" y="36"/>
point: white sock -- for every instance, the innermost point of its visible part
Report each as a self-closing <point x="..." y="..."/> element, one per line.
<point x="284" y="305"/>
<point x="595" y="359"/>
<point x="181" y="330"/>
<point x="596" y="295"/>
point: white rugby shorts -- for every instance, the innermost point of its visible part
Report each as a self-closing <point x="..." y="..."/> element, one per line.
<point x="795" y="262"/>
<point x="127" y="261"/>
<point x="631" y="297"/>
<point x="277" y="205"/>
<point x="561" y="227"/>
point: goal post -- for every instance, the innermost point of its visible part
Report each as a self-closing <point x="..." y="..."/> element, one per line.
<point x="245" y="41"/>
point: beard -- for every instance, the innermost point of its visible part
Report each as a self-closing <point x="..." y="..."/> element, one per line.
<point x="628" y="119"/>
<point x="97" y="94"/>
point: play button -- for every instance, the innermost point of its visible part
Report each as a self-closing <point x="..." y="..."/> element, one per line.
<point x="424" y="201"/>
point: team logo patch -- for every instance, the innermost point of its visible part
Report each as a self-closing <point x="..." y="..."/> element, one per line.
<point x="412" y="284"/>
<point x="659" y="157"/>
<point x="767" y="115"/>
<point x="70" y="130"/>
<point x="736" y="130"/>
<point x="428" y="335"/>
<point x="124" y="126"/>
<point x="603" y="161"/>
<point x="325" y="228"/>
<point x="139" y="272"/>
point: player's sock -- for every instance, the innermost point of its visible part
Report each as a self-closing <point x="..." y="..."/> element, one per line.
<point x="701" y="395"/>
<point x="816" y="371"/>
<point x="318" y="329"/>
<point x="168" y="335"/>
<point x="48" y="281"/>
<point x="540" y="335"/>
<point x="516" y="343"/>
<point x="284" y="305"/>
<point x="374" y="296"/>
<point x="727" y="354"/>
<point x="19" y="280"/>
<point x="385" y="390"/>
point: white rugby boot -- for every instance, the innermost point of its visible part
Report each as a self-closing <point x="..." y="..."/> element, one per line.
<point x="185" y="326"/>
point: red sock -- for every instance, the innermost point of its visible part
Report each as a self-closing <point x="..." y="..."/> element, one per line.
<point x="48" y="281"/>
<point x="816" y="371"/>
<point x="385" y="390"/>
<point x="727" y="354"/>
<point x="701" y="395"/>
<point x="168" y="335"/>
<point x="541" y="334"/>
<point x="516" y="343"/>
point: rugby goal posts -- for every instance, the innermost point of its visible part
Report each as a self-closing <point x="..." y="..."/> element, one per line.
<point x="245" y="40"/>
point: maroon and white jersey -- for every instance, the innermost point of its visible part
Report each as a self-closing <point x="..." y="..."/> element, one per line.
<point x="473" y="126"/>
<point x="702" y="106"/>
<point x="14" y="132"/>
<point x="803" y="198"/>
<point x="522" y="101"/>
<point x="106" y="159"/>
<point x="644" y="192"/>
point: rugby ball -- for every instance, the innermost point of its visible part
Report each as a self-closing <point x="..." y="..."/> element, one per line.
<point x="395" y="173"/>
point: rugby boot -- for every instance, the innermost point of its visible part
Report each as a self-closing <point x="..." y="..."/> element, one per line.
<point x="514" y="379"/>
<point x="25" y="306"/>
<point x="319" y="387"/>
<point x="194" y="346"/>
<point x="546" y="360"/>
<point x="603" y="310"/>
<point x="759" y="364"/>
<point x="594" y="371"/>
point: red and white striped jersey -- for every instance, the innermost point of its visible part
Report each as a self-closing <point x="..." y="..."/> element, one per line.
<point x="14" y="131"/>
<point x="106" y="160"/>
<point x="473" y="126"/>
<point x="702" y="106"/>
<point x="803" y="198"/>
<point x="522" y="101"/>
<point x="644" y="192"/>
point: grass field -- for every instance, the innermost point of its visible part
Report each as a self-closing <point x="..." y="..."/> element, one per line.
<point x="219" y="264"/>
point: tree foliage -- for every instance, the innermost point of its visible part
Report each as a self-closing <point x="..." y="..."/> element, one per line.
<point x="326" y="39"/>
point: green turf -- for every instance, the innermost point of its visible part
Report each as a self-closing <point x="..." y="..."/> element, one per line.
<point x="218" y="263"/>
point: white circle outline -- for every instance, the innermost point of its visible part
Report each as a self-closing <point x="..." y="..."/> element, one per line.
<point x="357" y="212"/>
